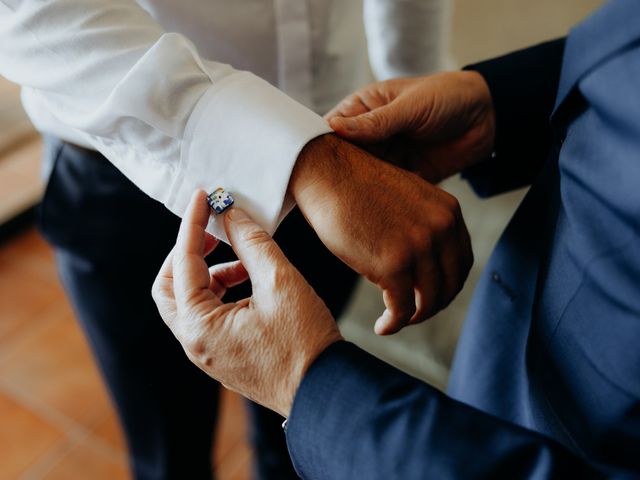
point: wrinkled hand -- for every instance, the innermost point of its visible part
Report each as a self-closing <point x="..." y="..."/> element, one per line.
<point x="402" y="233"/>
<point x="260" y="346"/>
<point x="434" y="126"/>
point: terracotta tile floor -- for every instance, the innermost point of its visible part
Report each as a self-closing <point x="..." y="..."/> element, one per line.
<point x="20" y="183"/>
<point x="57" y="420"/>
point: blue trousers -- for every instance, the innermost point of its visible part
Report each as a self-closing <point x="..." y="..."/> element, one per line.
<point x="110" y="240"/>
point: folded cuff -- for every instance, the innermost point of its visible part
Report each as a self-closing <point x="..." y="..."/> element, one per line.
<point x="244" y="136"/>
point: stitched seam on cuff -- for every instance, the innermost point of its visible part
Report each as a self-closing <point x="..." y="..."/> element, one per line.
<point x="192" y="124"/>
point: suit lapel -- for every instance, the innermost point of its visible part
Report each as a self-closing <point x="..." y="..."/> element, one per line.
<point x="608" y="30"/>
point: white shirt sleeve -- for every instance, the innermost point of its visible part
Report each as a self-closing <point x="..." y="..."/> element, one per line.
<point x="170" y="121"/>
<point x="407" y="37"/>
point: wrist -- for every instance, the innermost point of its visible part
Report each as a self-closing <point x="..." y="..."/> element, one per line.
<point x="320" y="165"/>
<point x="299" y="370"/>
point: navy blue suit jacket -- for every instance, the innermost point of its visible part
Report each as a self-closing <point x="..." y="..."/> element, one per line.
<point x="546" y="380"/>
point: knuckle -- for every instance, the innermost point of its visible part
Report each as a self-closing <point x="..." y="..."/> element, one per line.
<point x="451" y="201"/>
<point x="256" y="238"/>
<point x="422" y="241"/>
<point x="280" y="277"/>
<point x="207" y="361"/>
<point x="418" y="238"/>
<point x="196" y="345"/>
<point x="400" y="260"/>
<point x="444" y="222"/>
<point x="352" y="100"/>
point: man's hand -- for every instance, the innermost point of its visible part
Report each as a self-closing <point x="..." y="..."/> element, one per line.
<point x="434" y="126"/>
<point x="403" y="234"/>
<point x="261" y="346"/>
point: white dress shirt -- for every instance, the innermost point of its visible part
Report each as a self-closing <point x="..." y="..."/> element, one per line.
<point x="181" y="94"/>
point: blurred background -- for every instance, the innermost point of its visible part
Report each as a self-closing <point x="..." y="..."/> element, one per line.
<point x="57" y="420"/>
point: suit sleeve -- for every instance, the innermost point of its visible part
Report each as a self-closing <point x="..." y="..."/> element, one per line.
<point x="355" y="416"/>
<point x="523" y="86"/>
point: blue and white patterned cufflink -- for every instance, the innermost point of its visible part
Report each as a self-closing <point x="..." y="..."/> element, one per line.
<point x="219" y="200"/>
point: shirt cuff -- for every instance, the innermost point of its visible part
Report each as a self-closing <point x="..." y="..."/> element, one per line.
<point x="245" y="136"/>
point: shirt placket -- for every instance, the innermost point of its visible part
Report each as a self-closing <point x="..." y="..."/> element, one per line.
<point x="294" y="49"/>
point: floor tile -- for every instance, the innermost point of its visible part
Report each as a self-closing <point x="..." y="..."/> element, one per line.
<point x="31" y="254"/>
<point x="14" y="124"/>
<point x="87" y="462"/>
<point x="24" y="437"/>
<point x="55" y="367"/>
<point x="231" y="432"/>
<point x="236" y="465"/>
<point x="21" y="185"/>
<point x="108" y="428"/>
<point x="24" y="299"/>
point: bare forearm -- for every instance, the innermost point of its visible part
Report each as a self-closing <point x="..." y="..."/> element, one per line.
<point x="321" y="160"/>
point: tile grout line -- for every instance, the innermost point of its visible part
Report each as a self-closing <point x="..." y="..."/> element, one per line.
<point x="32" y="332"/>
<point x="38" y="469"/>
<point x="75" y="432"/>
<point x="236" y="460"/>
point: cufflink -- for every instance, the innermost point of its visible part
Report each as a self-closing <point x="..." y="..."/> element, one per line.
<point x="219" y="200"/>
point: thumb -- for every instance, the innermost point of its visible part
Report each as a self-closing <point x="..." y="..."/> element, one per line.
<point x="374" y="126"/>
<point x="255" y="248"/>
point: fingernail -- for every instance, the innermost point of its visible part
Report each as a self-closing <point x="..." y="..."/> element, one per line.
<point x="380" y="326"/>
<point x="343" y="123"/>
<point x="237" y="214"/>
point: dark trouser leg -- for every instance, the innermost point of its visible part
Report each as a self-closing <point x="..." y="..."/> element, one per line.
<point x="167" y="406"/>
<point x="110" y="241"/>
